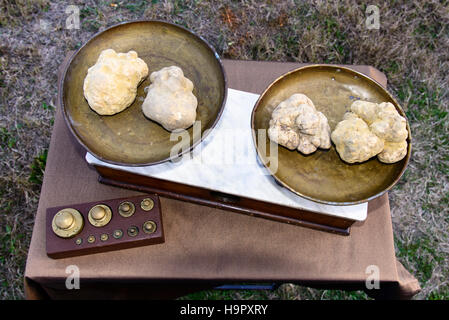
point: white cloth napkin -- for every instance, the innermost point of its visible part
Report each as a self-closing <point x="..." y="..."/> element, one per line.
<point x="226" y="161"/>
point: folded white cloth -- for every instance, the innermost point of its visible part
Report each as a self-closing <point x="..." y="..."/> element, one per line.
<point x="226" y="161"/>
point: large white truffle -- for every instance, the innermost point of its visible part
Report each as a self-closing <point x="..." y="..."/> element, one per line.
<point x="371" y="129"/>
<point x="170" y="100"/>
<point x="111" y="83"/>
<point x="296" y="124"/>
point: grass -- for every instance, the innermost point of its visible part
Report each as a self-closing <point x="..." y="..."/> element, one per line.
<point x="38" y="168"/>
<point x="411" y="48"/>
<point x="285" y="291"/>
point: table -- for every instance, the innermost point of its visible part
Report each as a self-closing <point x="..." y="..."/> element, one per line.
<point x="206" y="247"/>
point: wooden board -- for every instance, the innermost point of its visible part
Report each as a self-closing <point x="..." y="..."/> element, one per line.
<point x="223" y="201"/>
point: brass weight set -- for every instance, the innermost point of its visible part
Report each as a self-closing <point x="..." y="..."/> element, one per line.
<point x="69" y="222"/>
<point x="101" y="226"/>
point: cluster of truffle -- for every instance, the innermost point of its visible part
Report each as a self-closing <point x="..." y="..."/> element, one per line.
<point x="296" y="124"/>
<point x="111" y="86"/>
<point x="371" y="129"/>
<point x="368" y="130"/>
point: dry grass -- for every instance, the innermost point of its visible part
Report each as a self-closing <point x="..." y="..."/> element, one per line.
<point x="411" y="48"/>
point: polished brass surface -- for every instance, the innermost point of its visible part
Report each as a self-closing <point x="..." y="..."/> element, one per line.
<point x="67" y="223"/>
<point x="149" y="226"/>
<point x="100" y="215"/>
<point x="104" y="237"/>
<point x="78" y="241"/>
<point x="91" y="239"/>
<point x="147" y="204"/>
<point x="129" y="138"/>
<point x="118" y="234"/>
<point x="133" y="231"/>
<point x="64" y="220"/>
<point x="126" y="209"/>
<point x="322" y="176"/>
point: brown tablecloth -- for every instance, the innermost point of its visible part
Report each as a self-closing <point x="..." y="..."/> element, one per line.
<point x="204" y="246"/>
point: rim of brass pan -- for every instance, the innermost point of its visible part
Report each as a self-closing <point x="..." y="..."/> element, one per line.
<point x="322" y="176"/>
<point x="128" y="138"/>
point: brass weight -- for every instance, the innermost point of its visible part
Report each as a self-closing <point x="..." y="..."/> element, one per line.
<point x="100" y="215"/>
<point x="149" y="226"/>
<point x="147" y="204"/>
<point x="67" y="223"/>
<point x="126" y="209"/>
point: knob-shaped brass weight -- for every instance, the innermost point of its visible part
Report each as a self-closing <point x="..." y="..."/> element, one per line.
<point x="126" y="209"/>
<point x="100" y="215"/>
<point x="67" y="223"/>
<point x="149" y="226"/>
<point x="147" y="204"/>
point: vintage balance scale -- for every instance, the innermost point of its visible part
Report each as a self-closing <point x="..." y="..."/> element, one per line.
<point x="224" y="160"/>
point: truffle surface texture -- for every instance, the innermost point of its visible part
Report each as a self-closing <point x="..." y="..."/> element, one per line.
<point x="371" y="129"/>
<point x="110" y="85"/>
<point x="170" y="100"/>
<point x="296" y="124"/>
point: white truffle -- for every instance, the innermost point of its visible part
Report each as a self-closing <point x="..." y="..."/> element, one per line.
<point x="296" y="124"/>
<point x="110" y="85"/>
<point x="393" y="151"/>
<point x="381" y="120"/>
<point x="170" y="100"/>
<point x="354" y="141"/>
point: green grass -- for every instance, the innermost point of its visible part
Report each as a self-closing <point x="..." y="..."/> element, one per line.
<point x="7" y="139"/>
<point x="136" y="7"/>
<point x="228" y="295"/>
<point x="8" y="241"/>
<point x="13" y="12"/>
<point x="339" y="46"/>
<point x="38" y="168"/>
<point x="440" y="294"/>
<point x="46" y="106"/>
<point x="285" y="291"/>
<point x="90" y="18"/>
<point x="425" y="103"/>
<point x="422" y="254"/>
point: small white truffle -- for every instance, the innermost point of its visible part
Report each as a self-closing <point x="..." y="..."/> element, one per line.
<point x="170" y="100"/>
<point x="354" y="141"/>
<point x="393" y="151"/>
<point x="381" y="120"/>
<point x="111" y="83"/>
<point x="296" y="124"/>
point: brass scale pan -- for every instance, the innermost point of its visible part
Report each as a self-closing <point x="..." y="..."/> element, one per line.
<point x="322" y="176"/>
<point x="128" y="138"/>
